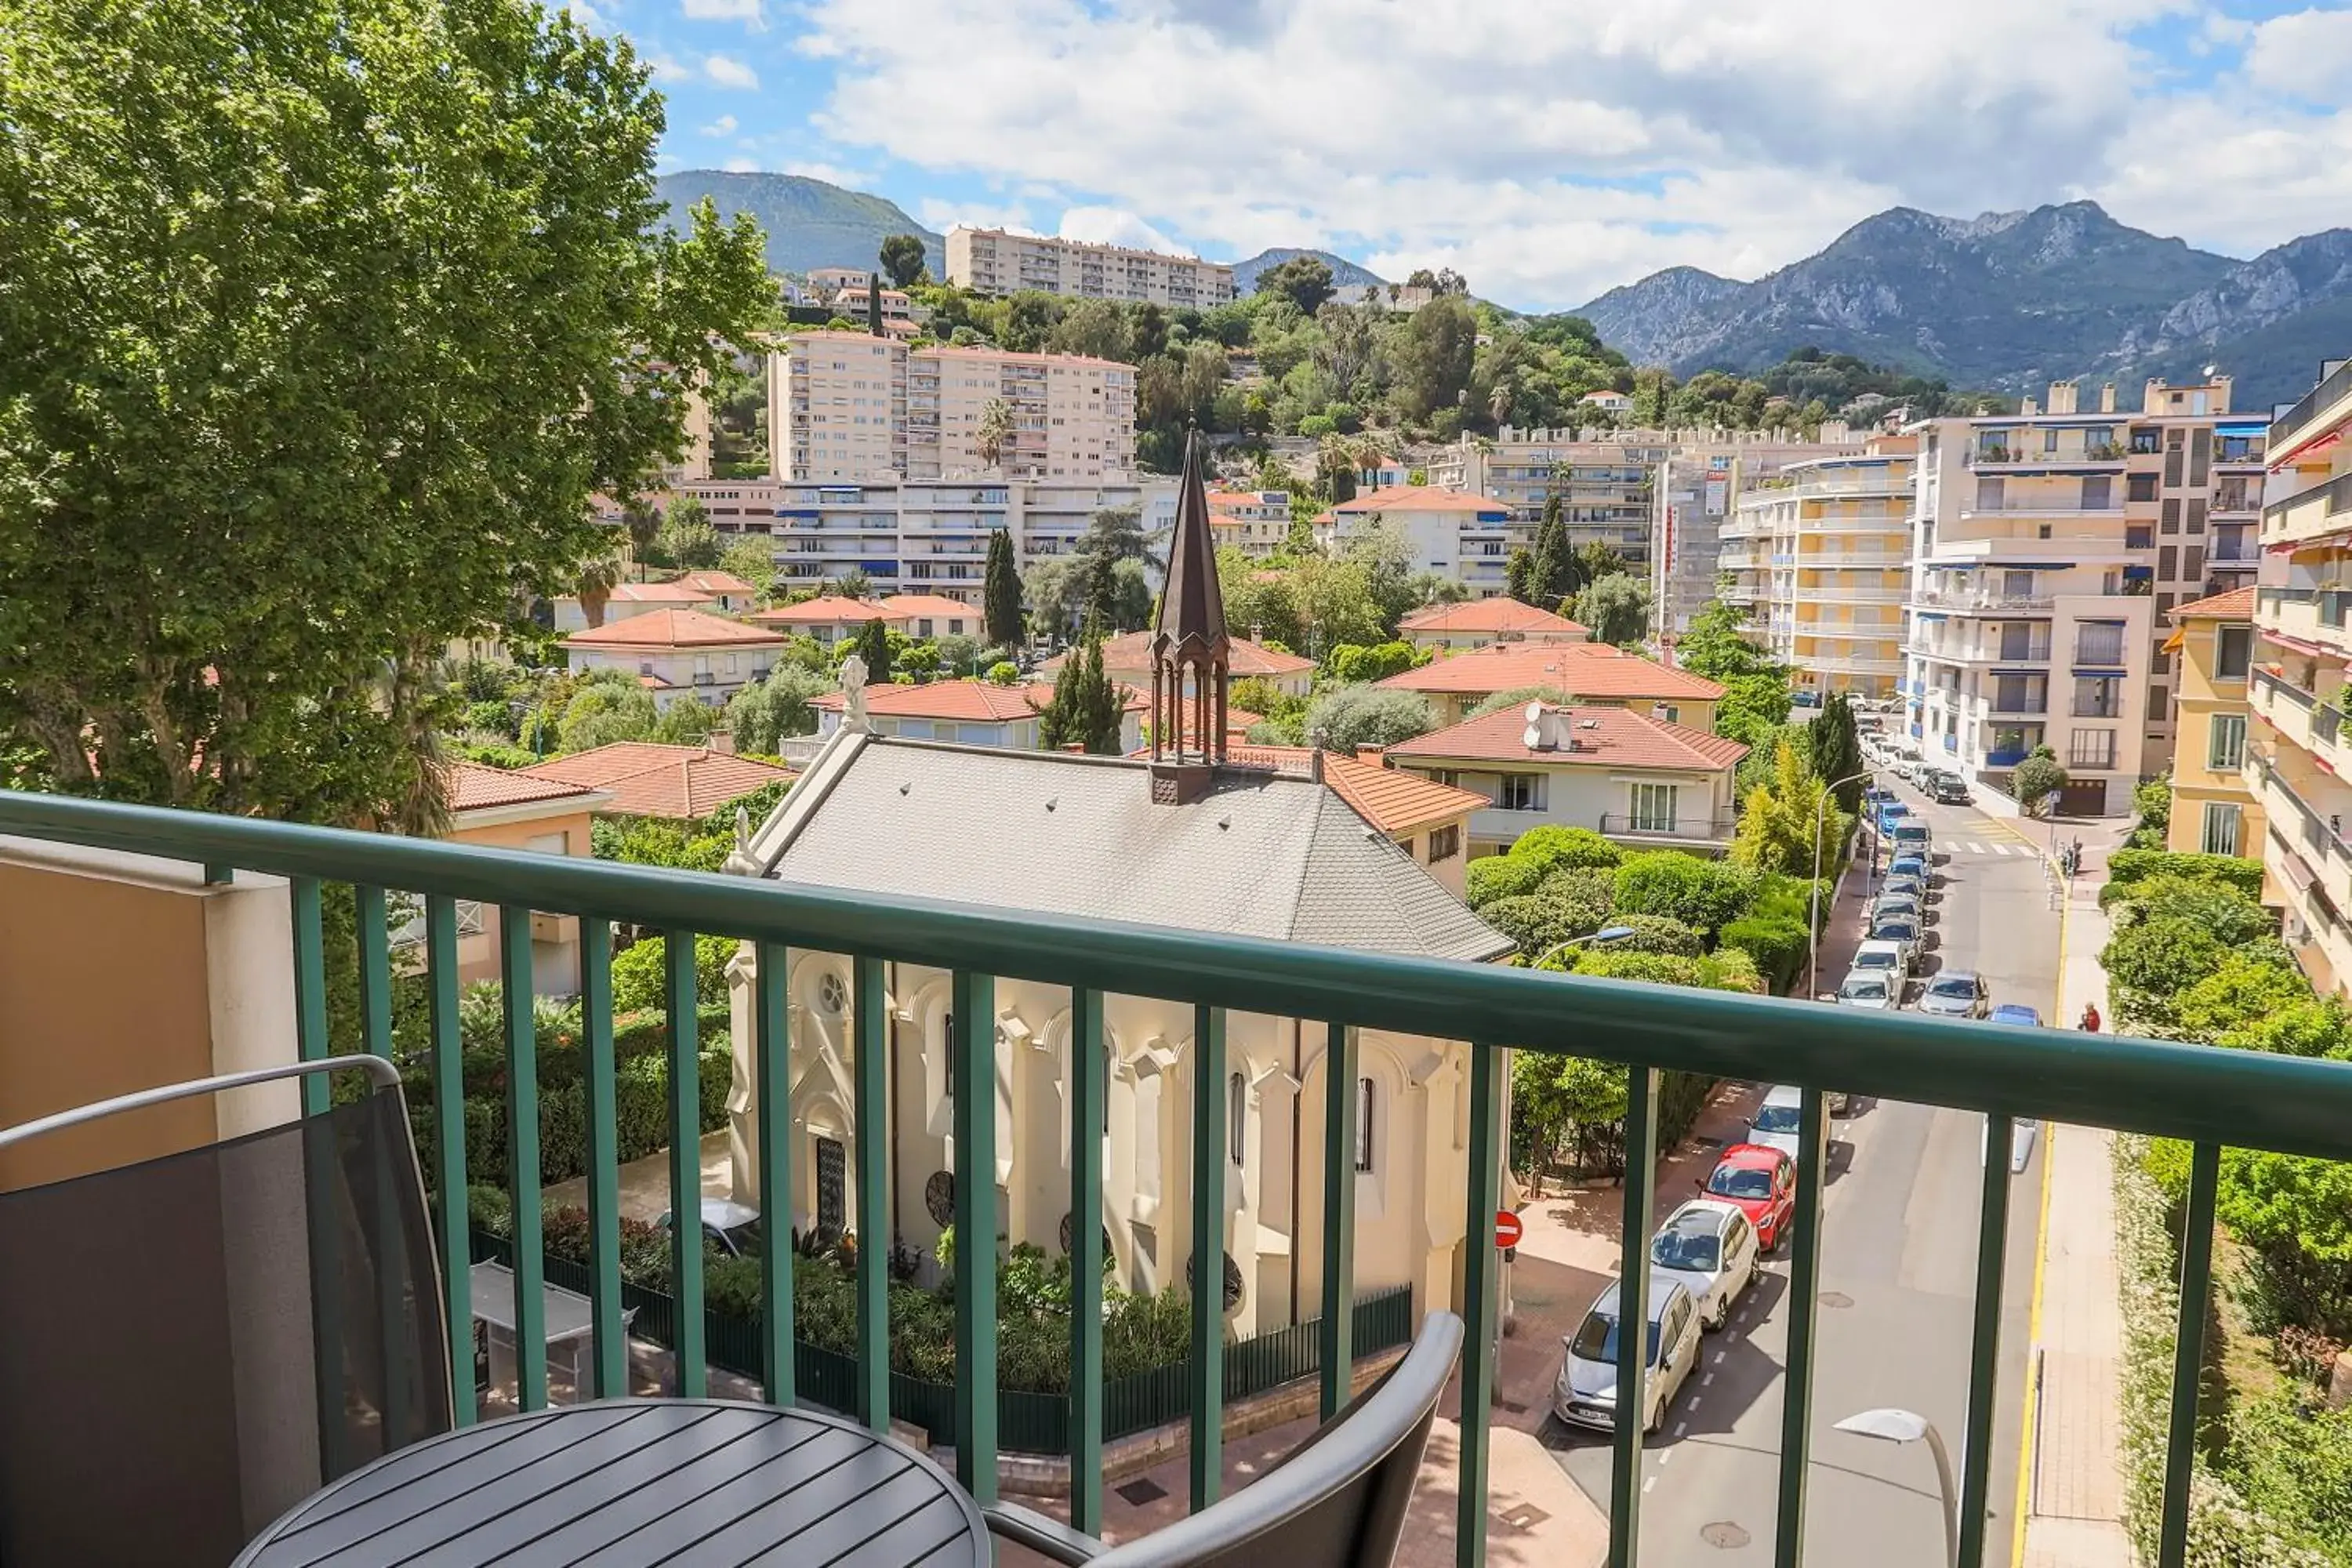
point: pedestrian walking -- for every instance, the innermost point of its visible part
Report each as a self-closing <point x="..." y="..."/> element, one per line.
<point x="2091" y="1018"/>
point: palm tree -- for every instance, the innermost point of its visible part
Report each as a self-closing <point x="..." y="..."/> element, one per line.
<point x="1498" y="403"/>
<point x="644" y="522"/>
<point x="598" y="576"/>
<point x="995" y="432"/>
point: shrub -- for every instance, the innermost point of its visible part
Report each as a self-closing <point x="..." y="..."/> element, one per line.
<point x="1492" y="876"/>
<point x="2244" y="991"/>
<point x="2309" y="1027"/>
<point x="639" y="978"/>
<point x="1565" y="904"/>
<point x="2231" y="915"/>
<point x="2152" y="961"/>
<point x="1716" y="971"/>
<point x="2132" y="865"/>
<point x="1353" y="716"/>
<point x="1557" y="848"/>
<point x="1658" y="933"/>
<point x="1777" y="945"/>
<point x="1703" y="894"/>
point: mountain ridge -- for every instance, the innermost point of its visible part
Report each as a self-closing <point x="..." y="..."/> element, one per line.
<point x="810" y="222"/>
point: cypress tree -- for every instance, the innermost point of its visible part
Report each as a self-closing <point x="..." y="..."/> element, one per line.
<point x="1087" y="708"/>
<point x="1837" y="749"/>
<point x="874" y="303"/>
<point x="1001" y="606"/>
<point x="874" y="648"/>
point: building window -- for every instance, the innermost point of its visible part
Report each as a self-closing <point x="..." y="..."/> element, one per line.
<point x="1519" y="792"/>
<point x="1363" y="1124"/>
<point x="1653" y="807"/>
<point x="2221" y="826"/>
<point x="2091" y="749"/>
<point x="2233" y="651"/>
<point x="1236" y="1115"/>
<point x="1445" y="843"/>
<point x="2225" y="743"/>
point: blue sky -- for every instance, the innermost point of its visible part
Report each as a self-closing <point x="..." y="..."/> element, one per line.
<point x="1547" y="149"/>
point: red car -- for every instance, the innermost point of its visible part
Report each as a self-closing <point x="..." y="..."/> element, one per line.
<point x="1763" y="1183"/>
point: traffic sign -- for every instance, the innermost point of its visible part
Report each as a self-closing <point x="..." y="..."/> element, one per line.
<point x="1508" y="1228"/>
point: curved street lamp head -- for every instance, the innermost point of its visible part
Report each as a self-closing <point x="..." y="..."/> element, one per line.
<point x="1894" y="1426"/>
<point x="1605" y="934"/>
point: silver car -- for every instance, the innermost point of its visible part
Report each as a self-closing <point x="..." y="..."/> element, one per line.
<point x="1586" y="1392"/>
<point x="1957" y="994"/>
<point x="1710" y="1248"/>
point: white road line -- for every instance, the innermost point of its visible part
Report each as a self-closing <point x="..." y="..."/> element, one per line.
<point x="1719" y="1358"/>
<point x="1708" y="1378"/>
<point x="1647" y="1483"/>
<point x="1696" y="1401"/>
<point x="1680" y="1427"/>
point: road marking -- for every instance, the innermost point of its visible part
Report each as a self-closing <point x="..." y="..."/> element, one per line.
<point x="1666" y="1455"/>
<point x="2033" y="1326"/>
<point x="1680" y="1427"/>
<point x="1647" y="1482"/>
<point x="1696" y="1401"/>
<point x="1719" y="1358"/>
<point x="1709" y="1377"/>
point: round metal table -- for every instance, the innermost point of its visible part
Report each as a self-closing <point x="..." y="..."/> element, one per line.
<point x="629" y="1483"/>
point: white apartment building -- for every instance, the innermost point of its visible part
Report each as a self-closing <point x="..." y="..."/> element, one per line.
<point x="1465" y="538"/>
<point x="1820" y="554"/>
<point x="2049" y="548"/>
<point x="849" y="407"/>
<point x="998" y="261"/>
<point x="923" y="536"/>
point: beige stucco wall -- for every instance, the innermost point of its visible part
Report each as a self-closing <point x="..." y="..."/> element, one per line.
<point x="211" y="991"/>
<point x="556" y="938"/>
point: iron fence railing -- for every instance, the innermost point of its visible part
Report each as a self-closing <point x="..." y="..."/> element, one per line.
<point x="2207" y="1097"/>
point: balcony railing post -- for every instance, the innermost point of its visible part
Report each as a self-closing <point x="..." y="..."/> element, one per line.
<point x="609" y="1329"/>
<point x="974" y="1067"/>
<point x="453" y="1239"/>
<point x="1804" y="1306"/>
<point x="688" y="1330"/>
<point x="2189" y="1352"/>
<point x="773" y="1043"/>
<point x="1984" y="1342"/>
<point x="1340" y="1135"/>
<point x="1633" y="1314"/>
<point x="870" y="1088"/>
<point x="1088" y="1070"/>
<point x="522" y="1158"/>
<point x="1207" y="1264"/>
<point x="1481" y="1281"/>
<point x="322" y="1225"/>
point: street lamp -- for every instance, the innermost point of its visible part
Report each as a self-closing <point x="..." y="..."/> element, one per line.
<point x="1813" y="926"/>
<point x="1606" y="933"/>
<point x="1904" y="1426"/>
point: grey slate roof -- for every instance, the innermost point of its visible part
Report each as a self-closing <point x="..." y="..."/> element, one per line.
<point x="1261" y="854"/>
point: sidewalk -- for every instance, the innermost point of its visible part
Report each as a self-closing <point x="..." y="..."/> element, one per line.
<point x="2071" y="1481"/>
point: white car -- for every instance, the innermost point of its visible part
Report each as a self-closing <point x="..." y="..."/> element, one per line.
<point x="1779" y="1120"/>
<point x="1711" y="1249"/>
<point x="1885" y="958"/>
<point x="1585" y="1393"/>
<point x="2022" y="1132"/>
<point x="1873" y="989"/>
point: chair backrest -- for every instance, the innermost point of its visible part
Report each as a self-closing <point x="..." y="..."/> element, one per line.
<point x="1339" y="1501"/>
<point x="191" y="1344"/>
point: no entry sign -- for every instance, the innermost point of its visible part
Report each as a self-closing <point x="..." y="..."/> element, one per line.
<point x="1508" y="1228"/>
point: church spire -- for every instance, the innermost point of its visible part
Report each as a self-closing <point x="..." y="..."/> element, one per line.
<point x="1190" y="652"/>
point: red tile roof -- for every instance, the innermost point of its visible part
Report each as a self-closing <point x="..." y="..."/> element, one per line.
<point x="1418" y="498"/>
<point x="1133" y="651"/>
<point x="1575" y="669"/>
<point x="971" y="702"/>
<point x="674" y="628"/>
<point x="718" y="582"/>
<point x="1499" y="613"/>
<point x="1391" y="799"/>
<point x="934" y="606"/>
<point x="474" y="787"/>
<point x="1604" y="737"/>
<point x="646" y="779"/>
<point x="659" y="594"/>
<point x="827" y="610"/>
<point x="2237" y="604"/>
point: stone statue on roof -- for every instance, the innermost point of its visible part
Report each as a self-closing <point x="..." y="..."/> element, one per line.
<point x="853" y="691"/>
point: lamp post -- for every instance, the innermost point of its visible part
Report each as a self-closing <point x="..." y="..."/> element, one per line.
<point x="1904" y="1426"/>
<point x="1605" y="934"/>
<point x="1813" y="926"/>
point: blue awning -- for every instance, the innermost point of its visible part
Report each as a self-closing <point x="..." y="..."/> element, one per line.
<point x="2139" y="573"/>
<point x="1931" y="615"/>
<point x="2100" y="672"/>
<point x="2031" y="674"/>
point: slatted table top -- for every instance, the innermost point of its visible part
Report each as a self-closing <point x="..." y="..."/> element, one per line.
<point x="631" y="1483"/>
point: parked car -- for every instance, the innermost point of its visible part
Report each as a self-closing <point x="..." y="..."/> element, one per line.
<point x="1868" y="988"/>
<point x="1780" y="1117"/>
<point x="732" y="1228"/>
<point x="1900" y="929"/>
<point x="1874" y="796"/>
<point x="1763" y="1183"/>
<point x="1909" y="885"/>
<point x="1911" y="836"/>
<point x="1904" y="906"/>
<point x="2022" y="1132"/>
<point x="1951" y="789"/>
<point x="1912" y="864"/>
<point x="1585" y="1393"/>
<point x="1709" y="1248"/>
<point x="1957" y="994"/>
<point x="1890" y="811"/>
<point x="1884" y="958"/>
<point x="2017" y="1013"/>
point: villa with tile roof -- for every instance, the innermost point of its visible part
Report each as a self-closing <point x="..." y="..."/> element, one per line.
<point x="1187" y="835"/>
<point x="1475" y="623"/>
<point x="1590" y="675"/>
<point x="969" y="713"/>
<point x="679" y="655"/>
<point x="1128" y="658"/>
<point x="1641" y="780"/>
<point x="932" y="615"/>
<point x="828" y="617"/>
<point x="1464" y="537"/>
<point x="510" y="810"/>
<point x="644" y="778"/>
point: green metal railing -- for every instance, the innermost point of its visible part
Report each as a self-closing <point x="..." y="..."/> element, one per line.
<point x="2207" y="1097"/>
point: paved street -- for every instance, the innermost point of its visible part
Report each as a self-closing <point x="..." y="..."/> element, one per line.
<point x="1898" y="1275"/>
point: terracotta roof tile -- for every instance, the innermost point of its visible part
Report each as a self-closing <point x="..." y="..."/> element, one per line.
<point x="827" y="610"/>
<point x="2237" y="604"/>
<point x="718" y="582"/>
<point x="1495" y="615"/>
<point x="1419" y="497"/>
<point x="1133" y="652"/>
<point x="646" y="779"/>
<point x="908" y="605"/>
<point x="1604" y="737"/>
<point x="660" y="593"/>
<point x="674" y="628"/>
<point x="474" y="787"/>
<point x="1576" y="670"/>
<point x="972" y="702"/>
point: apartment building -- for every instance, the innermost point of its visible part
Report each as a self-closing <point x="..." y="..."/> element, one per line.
<point x="2213" y="811"/>
<point x="849" y="407"/>
<point x="923" y="536"/>
<point x="998" y="261"/>
<point x="2050" y="547"/>
<point x="2298" y="762"/>
<point x="1820" y="554"/>
<point x="1256" y="522"/>
<point x="1465" y="537"/>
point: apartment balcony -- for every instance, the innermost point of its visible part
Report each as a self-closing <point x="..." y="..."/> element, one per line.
<point x="2210" y="1098"/>
<point x="2319" y="411"/>
<point x="2002" y="550"/>
<point x="2314" y="516"/>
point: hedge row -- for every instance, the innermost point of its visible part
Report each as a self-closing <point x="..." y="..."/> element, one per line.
<point x="640" y="1109"/>
<point x="2132" y="865"/>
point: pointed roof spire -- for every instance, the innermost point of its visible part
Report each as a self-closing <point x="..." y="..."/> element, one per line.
<point x="1192" y="606"/>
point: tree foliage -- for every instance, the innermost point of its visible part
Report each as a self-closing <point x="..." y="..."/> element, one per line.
<point x="1087" y="709"/>
<point x="1347" y="717"/>
<point x="324" y="323"/>
<point x="1701" y="893"/>
<point x="874" y="645"/>
<point x="761" y="716"/>
<point x="1001" y="597"/>
<point x="1835" y="750"/>
<point x="1784" y="823"/>
<point x="1304" y="281"/>
<point x="2036" y="784"/>
<point x="902" y="258"/>
<point x="1616" y="607"/>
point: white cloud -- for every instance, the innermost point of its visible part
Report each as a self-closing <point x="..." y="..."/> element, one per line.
<point x="943" y="216"/>
<point x="586" y="16"/>
<point x="722" y="126"/>
<point x="1551" y="149"/>
<point x="1114" y="225"/>
<point x="741" y="165"/>
<point x="748" y="11"/>
<point x="668" y="69"/>
<point x="831" y="174"/>
<point x="725" y="71"/>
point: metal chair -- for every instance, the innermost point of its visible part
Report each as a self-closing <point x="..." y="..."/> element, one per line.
<point x="193" y="1343"/>
<point x="1338" y="1499"/>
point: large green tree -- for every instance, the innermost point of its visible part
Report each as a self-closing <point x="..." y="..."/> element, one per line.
<point x="902" y="258"/>
<point x="1001" y="595"/>
<point x="1616" y="608"/>
<point x="323" y="321"/>
<point x="1087" y="709"/>
<point x="1305" y="280"/>
<point x="1836" y="747"/>
<point x="873" y="646"/>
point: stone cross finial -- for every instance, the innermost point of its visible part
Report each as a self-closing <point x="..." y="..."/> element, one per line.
<point x="742" y="828"/>
<point x="853" y="691"/>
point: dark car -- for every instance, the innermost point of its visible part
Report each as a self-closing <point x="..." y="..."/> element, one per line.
<point x="1949" y="789"/>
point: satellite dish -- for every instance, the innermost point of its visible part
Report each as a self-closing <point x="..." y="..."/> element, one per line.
<point x="1534" y="713"/>
<point x="1532" y="738"/>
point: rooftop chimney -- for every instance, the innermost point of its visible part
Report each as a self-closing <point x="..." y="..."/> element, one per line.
<point x="2062" y="397"/>
<point x="2107" y="398"/>
<point x="1371" y="754"/>
<point x="2029" y="408"/>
